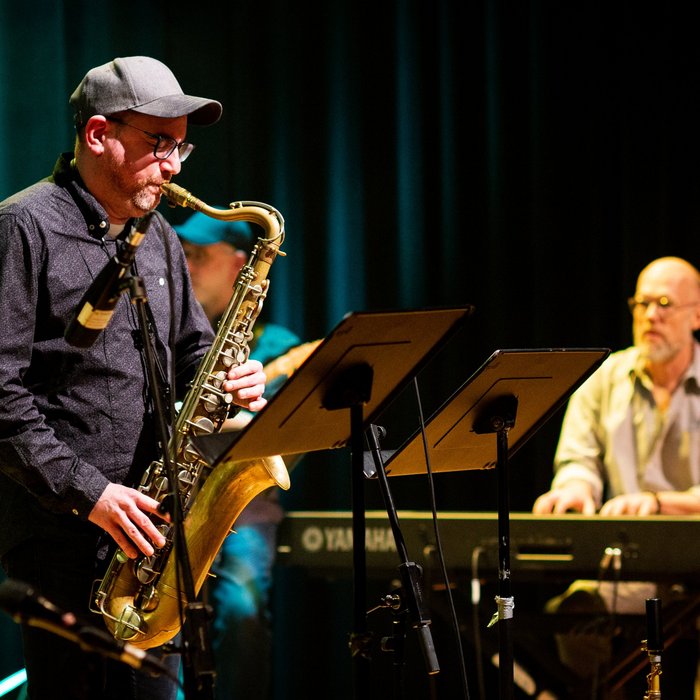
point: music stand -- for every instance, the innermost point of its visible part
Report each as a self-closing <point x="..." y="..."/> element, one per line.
<point x="359" y="368"/>
<point x="531" y="384"/>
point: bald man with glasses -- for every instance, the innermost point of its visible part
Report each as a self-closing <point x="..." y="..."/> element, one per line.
<point x="630" y="443"/>
<point x="630" y="446"/>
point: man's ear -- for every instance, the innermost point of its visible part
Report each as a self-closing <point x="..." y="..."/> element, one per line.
<point x="696" y="318"/>
<point x="94" y="133"/>
<point x="240" y="258"/>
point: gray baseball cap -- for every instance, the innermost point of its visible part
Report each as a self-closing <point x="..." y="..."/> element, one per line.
<point x="140" y="84"/>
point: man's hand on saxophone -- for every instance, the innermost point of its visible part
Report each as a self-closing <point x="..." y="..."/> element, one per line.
<point x="122" y="511"/>
<point x="247" y="384"/>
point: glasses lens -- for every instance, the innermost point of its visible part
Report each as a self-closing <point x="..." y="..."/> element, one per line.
<point x="662" y="305"/>
<point x="164" y="147"/>
<point x="184" y="149"/>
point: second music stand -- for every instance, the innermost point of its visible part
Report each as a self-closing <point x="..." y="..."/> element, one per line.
<point x="511" y="395"/>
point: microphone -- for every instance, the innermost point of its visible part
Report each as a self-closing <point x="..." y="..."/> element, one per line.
<point x="655" y="640"/>
<point x="23" y="604"/>
<point x="97" y="305"/>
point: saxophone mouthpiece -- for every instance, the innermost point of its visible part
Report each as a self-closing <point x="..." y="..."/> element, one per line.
<point x="179" y="196"/>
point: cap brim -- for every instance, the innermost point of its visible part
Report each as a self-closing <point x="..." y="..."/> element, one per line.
<point x="201" y="229"/>
<point x="202" y="237"/>
<point x="199" y="110"/>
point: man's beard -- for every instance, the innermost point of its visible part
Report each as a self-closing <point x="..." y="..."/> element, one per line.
<point x="658" y="353"/>
<point x="144" y="199"/>
<point x="136" y="192"/>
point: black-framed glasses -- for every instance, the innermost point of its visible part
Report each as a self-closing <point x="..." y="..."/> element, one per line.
<point x="663" y="305"/>
<point x="164" y="146"/>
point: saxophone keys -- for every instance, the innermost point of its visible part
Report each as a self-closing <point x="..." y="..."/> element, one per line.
<point x="227" y="359"/>
<point x="203" y="424"/>
<point x="147" y="599"/>
<point x="161" y="485"/>
<point x="185" y="478"/>
<point x="218" y="378"/>
<point x="237" y="353"/>
<point x="190" y="455"/>
<point x="144" y="570"/>
<point x="129" y="624"/>
<point x="214" y="399"/>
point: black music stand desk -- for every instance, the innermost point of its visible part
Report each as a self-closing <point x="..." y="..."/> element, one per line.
<point x="540" y="380"/>
<point x="528" y="384"/>
<point x="332" y="399"/>
<point x="302" y="417"/>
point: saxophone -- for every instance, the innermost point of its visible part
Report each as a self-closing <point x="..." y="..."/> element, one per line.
<point x="139" y="599"/>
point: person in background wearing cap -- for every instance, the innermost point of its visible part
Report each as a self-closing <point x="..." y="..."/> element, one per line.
<point x="239" y="591"/>
<point x="77" y="424"/>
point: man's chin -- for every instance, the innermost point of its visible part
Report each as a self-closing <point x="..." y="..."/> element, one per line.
<point x="656" y="354"/>
<point x="145" y="201"/>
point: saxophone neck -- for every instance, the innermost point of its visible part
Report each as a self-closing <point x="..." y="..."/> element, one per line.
<point x="265" y="216"/>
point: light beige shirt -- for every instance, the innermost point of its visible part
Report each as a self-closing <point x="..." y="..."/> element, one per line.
<point x="613" y="433"/>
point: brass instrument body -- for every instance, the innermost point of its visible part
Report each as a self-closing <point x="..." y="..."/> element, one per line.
<point x="654" y="675"/>
<point x="206" y="526"/>
<point x="138" y="599"/>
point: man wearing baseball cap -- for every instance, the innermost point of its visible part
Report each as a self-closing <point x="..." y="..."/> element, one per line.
<point x="216" y="250"/>
<point x="77" y="420"/>
<point x="239" y="590"/>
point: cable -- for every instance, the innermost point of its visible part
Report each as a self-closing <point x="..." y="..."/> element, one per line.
<point x="439" y="550"/>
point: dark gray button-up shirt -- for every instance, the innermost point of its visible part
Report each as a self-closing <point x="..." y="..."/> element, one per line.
<point x="73" y="419"/>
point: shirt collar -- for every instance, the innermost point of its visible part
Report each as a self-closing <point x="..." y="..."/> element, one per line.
<point x="692" y="376"/>
<point x="690" y="380"/>
<point x="66" y="175"/>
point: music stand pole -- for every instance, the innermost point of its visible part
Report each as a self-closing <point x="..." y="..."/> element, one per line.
<point x="499" y="417"/>
<point x="359" y="638"/>
<point x="351" y="390"/>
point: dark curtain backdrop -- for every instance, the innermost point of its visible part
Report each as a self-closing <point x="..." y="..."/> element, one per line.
<point x="526" y="157"/>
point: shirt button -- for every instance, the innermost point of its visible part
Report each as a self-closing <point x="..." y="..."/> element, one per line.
<point x="75" y="511"/>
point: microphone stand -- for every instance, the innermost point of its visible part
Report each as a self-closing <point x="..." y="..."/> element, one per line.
<point x="27" y="607"/>
<point x="654" y="646"/>
<point x="197" y="656"/>
<point x="411" y="597"/>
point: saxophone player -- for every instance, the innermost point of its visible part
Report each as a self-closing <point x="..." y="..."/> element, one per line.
<point x="77" y="425"/>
